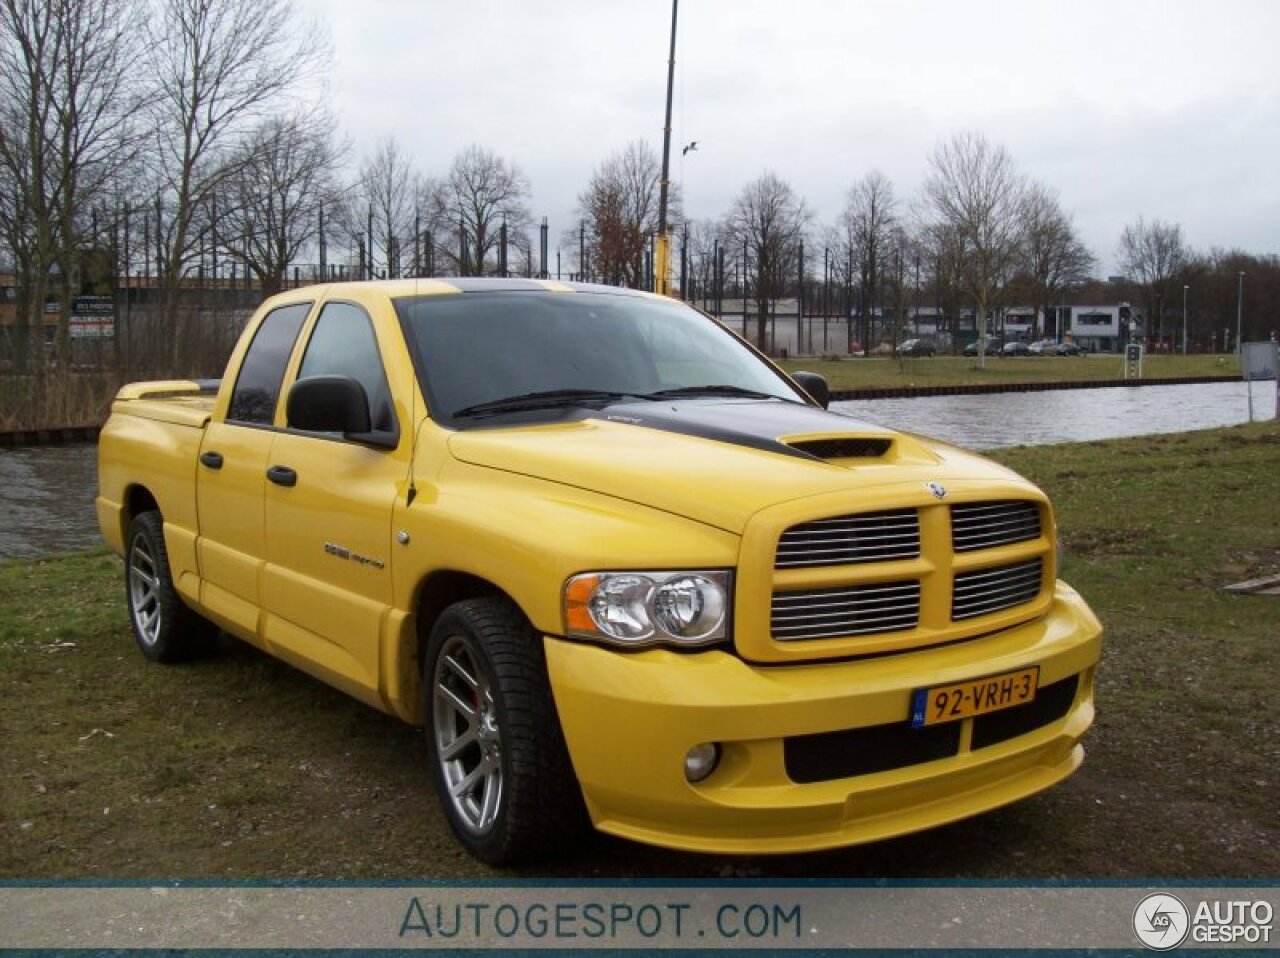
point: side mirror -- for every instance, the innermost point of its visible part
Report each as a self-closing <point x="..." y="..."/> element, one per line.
<point x="815" y="386"/>
<point x="328" y="404"/>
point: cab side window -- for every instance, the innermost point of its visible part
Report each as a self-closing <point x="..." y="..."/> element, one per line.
<point x="262" y="372"/>
<point x="343" y="344"/>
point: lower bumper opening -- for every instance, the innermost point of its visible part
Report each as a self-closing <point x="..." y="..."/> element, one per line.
<point x="881" y="748"/>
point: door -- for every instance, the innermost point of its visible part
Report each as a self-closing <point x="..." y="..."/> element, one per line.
<point x="327" y="584"/>
<point x="231" y="476"/>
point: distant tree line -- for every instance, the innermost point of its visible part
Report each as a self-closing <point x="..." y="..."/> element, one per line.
<point x="980" y="237"/>
<point x="185" y="139"/>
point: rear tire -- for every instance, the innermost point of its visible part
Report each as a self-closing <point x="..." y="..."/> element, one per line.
<point x="164" y="628"/>
<point x="493" y="737"/>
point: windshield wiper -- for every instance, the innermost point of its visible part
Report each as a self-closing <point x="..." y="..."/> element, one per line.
<point x="543" y="399"/>
<point x="711" y="390"/>
<point x="558" y="398"/>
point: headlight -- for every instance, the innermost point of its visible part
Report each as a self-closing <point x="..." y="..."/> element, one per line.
<point x="637" y="609"/>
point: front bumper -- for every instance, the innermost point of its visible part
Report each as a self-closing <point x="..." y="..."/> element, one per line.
<point x="629" y="720"/>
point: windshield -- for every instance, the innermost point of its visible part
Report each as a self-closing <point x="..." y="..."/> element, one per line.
<point x="481" y="353"/>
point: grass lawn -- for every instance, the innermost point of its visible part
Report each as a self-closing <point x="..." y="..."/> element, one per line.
<point x="958" y="370"/>
<point x="240" y="766"/>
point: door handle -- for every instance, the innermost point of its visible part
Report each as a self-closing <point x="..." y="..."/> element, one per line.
<point x="282" y="476"/>
<point x="211" y="459"/>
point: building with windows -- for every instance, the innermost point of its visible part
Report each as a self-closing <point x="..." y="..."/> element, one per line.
<point x="1102" y="329"/>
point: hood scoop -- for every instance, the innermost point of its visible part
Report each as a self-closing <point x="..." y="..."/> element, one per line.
<point x="842" y="447"/>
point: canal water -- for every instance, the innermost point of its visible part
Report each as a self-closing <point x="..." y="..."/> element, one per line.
<point x="46" y="500"/>
<point x="991" y="420"/>
<point x="46" y="493"/>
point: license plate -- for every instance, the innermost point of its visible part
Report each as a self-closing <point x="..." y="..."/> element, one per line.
<point x="950" y="703"/>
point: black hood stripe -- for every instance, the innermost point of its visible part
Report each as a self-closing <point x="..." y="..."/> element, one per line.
<point x="752" y="423"/>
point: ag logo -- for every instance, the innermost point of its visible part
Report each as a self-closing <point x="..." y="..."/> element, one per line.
<point x="1160" y="921"/>
<point x="938" y="489"/>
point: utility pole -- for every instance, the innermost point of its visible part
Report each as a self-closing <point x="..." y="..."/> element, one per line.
<point x="128" y="297"/>
<point x="800" y="299"/>
<point x="324" y="270"/>
<point x="662" y="266"/>
<point x="543" y="265"/>
<point x="684" y="263"/>
<point x="1239" y="313"/>
<point x="1184" y="319"/>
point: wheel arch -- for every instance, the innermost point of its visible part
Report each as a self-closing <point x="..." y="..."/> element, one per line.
<point x="136" y="500"/>
<point x="437" y="591"/>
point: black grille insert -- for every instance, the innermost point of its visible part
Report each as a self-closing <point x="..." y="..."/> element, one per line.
<point x="1051" y="703"/>
<point x="848" y="448"/>
<point x="880" y="748"/>
<point x="862" y="751"/>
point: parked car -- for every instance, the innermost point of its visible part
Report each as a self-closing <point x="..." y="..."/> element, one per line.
<point x="1043" y="347"/>
<point x="916" y="347"/>
<point x="1016" y="348"/>
<point x="1071" y="349"/>
<point x="993" y="346"/>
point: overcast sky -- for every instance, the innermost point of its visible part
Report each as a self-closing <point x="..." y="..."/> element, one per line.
<point x="1164" y="108"/>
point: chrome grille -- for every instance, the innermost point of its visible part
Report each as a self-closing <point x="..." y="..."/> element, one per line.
<point x="855" y="610"/>
<point x="990" y="590"/>
<point x="847" y="540"/>
<point x="985" y="525"/>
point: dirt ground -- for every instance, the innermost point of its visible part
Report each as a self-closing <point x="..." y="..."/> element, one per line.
<point x="241" y="767"/>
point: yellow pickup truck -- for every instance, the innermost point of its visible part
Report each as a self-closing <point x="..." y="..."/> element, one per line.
<point x="621" y="568"/>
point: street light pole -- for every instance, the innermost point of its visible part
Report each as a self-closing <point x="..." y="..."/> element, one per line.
<point x="1184" y="319"/>
<point x="1239" y="312"/>
<point x="662" y="261"/>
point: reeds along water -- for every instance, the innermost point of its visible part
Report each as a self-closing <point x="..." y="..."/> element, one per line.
<point x="57" y="399"/>
<point x="51" y="396"/>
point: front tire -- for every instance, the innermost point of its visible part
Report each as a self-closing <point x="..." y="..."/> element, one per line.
<point x="497" y="753"/>
<point x="164" y="628"/>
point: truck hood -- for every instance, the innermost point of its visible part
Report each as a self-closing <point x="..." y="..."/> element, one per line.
<point x="715" y="461"/>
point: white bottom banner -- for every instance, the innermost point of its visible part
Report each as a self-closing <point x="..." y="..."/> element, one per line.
<point x="636" y="916"/>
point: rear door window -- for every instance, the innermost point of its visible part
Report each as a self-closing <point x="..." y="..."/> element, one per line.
<point x="262" y="372"/>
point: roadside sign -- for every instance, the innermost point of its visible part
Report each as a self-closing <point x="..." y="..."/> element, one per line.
<point x="93" y="317"/>
<point x="1260" y="361"/>
<point x="1133" y="361"/>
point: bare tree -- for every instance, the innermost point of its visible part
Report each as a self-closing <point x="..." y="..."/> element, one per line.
<point x="868" y="226"/>
<point x="770" y="220"/>
<point x="1053" y="256"/>
<point x="66" y="107"/>
<point x="271" y="204"/>
<point x="28" y="48"/>
<point x="384" y="210"/>
<point x="942" y="256"/>
<point x="483" y="199"/>
<point x="703" y="241"/>
<point x="219" y="67"/>
<point x="974" y="190"/>
<point x="1153" y="254"/>
<point x="899" y="250"/>
<point x="620" y="207"/>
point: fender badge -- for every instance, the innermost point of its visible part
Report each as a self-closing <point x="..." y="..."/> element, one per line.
<point x="938" y="489"/>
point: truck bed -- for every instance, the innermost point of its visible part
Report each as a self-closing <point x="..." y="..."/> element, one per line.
<point x="183" y="402"/>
